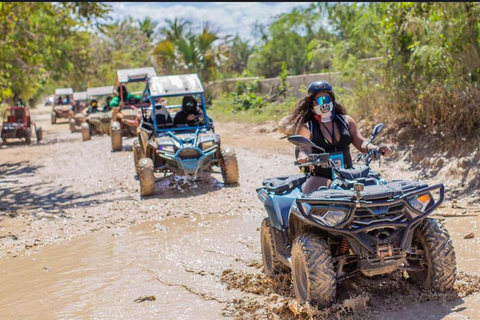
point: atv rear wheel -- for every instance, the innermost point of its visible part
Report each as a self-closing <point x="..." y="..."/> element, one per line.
<point x="28" y="136"/>
<point x="39" y="134"/>
<point x="229" y="166"/>
<point x="146" y="177"/>
<point x="116" y="136"/>
<point x="271" y="265"/>
<point x="136" y="154"/>
<point x="54" y="117"/>
<point x="438" y="259"/>
<point x="314" y="278"/>
<point x="72" y="125"/>
<point x="86" y="131"/>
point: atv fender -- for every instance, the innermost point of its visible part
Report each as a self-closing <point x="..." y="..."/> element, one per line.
<point x="278" y="208"/>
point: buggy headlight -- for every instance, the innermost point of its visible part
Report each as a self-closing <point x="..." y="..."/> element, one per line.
<point x="170" y="149"/>
<point x="207" y="144"/>
<point x="420" y="202"/>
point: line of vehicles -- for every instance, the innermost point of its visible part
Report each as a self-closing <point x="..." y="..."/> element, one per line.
<point x="364" y="225"/>
<point x="174" y="133"/>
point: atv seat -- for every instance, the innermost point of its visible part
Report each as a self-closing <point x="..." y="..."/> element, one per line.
<point x="284" y="183"/>
<point x="354" y="173"/>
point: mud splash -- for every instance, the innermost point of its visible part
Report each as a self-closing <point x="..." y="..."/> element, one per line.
<point x="360" y="298"/>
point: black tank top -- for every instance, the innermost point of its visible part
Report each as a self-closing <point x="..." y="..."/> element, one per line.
<point x="343" y="145"/>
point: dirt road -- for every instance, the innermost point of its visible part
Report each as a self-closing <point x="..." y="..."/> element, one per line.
<point x="77" y="241"/>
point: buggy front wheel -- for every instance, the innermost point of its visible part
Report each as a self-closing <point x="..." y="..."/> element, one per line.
<point x="85" y="131"/>
<point x="146" y="177"/>
<point x="136" y="154"/>
<point x="229" y="166"/>
<point x="116" y="136"/>
<point x="28" y="136"/>
<point x="72" y="125"/>
<point x="54" y="117"/>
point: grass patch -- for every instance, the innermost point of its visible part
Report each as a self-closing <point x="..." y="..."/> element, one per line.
<point x="223" y="108"/>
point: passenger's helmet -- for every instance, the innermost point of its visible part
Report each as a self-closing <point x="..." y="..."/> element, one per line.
<point x="189" y="105"/>
<point x="321" y="86"/>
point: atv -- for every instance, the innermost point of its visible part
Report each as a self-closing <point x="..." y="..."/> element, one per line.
<point x="61" y="108"/>
<point x="362" y="224"/>
<point x="97" y="122"/>
<point x="77" y="116"/>
<point x="181" y="149"/>
<point x="17" y="124"/>
<point x="126" y="117"/>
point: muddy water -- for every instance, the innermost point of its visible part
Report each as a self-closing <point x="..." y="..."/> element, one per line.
<point x="99" y="276"/>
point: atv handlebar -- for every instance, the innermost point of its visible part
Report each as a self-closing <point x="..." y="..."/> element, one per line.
<point x="371" y="155"/>
<point x="317" y="160"/>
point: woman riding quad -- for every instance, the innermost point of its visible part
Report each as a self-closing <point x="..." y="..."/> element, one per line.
<point x="191" y="114"/>
<point x="325" y="122"/>
<point x="126" y="96"/>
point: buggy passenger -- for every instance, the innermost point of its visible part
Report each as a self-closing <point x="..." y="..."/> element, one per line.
<point x="125" y="96"/>
<point x="190" y="115"/>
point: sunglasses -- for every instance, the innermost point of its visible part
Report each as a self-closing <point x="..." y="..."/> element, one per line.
<point x="323" y="100"/>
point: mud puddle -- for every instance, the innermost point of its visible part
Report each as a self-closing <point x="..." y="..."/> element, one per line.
<point x="178" y="262"/>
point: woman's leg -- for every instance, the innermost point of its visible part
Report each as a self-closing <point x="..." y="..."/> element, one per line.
<point x="314" y="182"/>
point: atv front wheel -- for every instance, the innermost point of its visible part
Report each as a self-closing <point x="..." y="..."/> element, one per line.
<point x="136" y="154"/>
<point x="146" y="177"/>
<point x="229" y="166"/>
<point x="271" y="265"/>
<point x="86" y="131"/>
<point x="314" y="278"/>
<point x="28" y="136"/>
<point x="54" y="118"/>
<point x="39" y="134"/>
<point x="72" y="125"/>
<point x="438" y="259"/>
<point x="116" y="135"/>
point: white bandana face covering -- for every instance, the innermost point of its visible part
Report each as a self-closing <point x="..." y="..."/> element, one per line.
<point x="325" y="111"/>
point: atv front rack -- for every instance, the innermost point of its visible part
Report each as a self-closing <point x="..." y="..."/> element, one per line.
<point x="406" y="227"/>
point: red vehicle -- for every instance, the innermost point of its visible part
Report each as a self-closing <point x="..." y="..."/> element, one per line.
<point x="18" y="124"/>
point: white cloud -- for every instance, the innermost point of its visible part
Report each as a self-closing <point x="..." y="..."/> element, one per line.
<point x="231" y="17"/>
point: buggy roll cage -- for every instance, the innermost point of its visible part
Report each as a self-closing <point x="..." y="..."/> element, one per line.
<point x="147" y="94"/>
<point x="125" y="76"/>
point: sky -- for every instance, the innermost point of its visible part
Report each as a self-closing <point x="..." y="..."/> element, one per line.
<point x="232" y="17"/>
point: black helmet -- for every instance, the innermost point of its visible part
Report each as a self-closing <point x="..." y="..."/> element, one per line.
<point x="321" y="86"/>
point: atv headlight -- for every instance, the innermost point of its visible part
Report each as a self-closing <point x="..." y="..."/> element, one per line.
<point x="330" y="218"/>
<point x="170" y="149"/>
<point x="207" y="144"/>
<point x="420" y="202"/>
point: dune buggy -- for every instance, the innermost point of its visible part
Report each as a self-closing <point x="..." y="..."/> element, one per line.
<point x="181" y="150"/>
<point x="62" y="104"/>
<point x="361" y="224"/>
<point x="97" y="122"/>
<point x="126" y="117"/>
<point x="77" y="116"/>
<point x="18" y="124"/>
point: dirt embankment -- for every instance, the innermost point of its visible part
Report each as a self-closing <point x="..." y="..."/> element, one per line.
<point x="64" y="189"/>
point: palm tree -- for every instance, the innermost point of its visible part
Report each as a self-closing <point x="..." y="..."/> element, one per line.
<point x="147" y="26"/>
<point x="176" y="28"/>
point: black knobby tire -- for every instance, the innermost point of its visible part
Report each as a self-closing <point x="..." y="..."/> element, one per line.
<point x="271" y="264"/>
<point x="229" y="166"/>
<point x="313" y="274"/>
<point x="116" y="136"/>
<point x="54" y="117"/>
<point x="146" y="177"/>
<point x="136" y="154"/>
<point x="39" y="134"/>
<point x="439" y="258"/>
<point x="28" y="136"/>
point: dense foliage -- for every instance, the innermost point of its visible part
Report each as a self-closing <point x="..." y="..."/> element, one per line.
<point x="414" y="62"/>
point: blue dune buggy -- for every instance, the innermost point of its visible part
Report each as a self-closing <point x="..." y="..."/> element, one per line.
<point x="186" y="149"/>
<point x="363" y="224"/>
